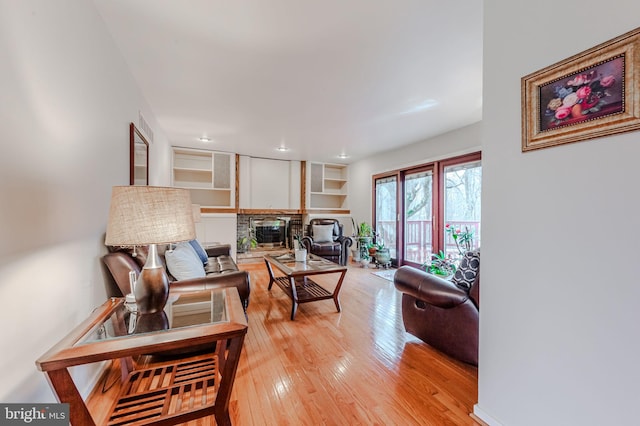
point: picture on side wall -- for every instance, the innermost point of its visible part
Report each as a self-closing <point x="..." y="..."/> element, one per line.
<point x="592" y="94"/>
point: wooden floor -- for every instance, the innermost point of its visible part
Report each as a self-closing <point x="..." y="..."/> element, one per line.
<point x="357" y="367"/>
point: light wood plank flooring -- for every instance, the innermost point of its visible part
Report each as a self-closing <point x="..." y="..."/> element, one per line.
<point x="357" y="367"/>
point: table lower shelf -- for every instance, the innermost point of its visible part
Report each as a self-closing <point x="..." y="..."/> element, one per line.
<point x="307" y="290"/>
<point x="170" y="391"/>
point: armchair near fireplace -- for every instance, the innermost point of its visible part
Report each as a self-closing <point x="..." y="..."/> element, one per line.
<point x="324" y="238"/>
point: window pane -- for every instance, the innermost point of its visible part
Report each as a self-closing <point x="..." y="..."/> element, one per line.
<point x="418" y="243"/>
<point x="386" y="213"/>
<point x="462" y="206"/>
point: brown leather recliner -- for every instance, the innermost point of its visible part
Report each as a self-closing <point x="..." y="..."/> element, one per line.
<point x="334" y="248"/>
<point x="221" y="271"/>
<point x="440" y="313"/>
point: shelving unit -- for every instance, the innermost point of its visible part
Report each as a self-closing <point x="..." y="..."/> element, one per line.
<point x="327" y="186"/>
<point x="209" y="175"/>
<point x="140" y="164"/>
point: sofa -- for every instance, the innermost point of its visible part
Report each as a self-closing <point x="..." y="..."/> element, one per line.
<point x="443" y="313"/>
<point x="220" y="270"/>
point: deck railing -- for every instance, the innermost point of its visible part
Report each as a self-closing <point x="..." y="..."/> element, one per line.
<point x="417" y="239"/>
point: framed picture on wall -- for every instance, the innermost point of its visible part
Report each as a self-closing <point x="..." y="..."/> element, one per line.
<point x="589" y="95"/>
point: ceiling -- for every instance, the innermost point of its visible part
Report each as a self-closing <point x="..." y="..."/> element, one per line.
<point x="320" y="78"/>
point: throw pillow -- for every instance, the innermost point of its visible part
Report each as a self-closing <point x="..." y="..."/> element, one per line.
<point x="467" y="271"/>
<point x="322" y="233"/>
<point x="200" y="251"/>
<point x="183" y="262"/>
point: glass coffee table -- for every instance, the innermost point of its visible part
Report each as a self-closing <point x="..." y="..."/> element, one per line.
<point x="184" y="389"/>
<point x="296" y="281"/>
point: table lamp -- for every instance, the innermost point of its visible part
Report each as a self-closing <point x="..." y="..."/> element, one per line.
<point x="197" y="216"/>
<point x="149" y="215"/>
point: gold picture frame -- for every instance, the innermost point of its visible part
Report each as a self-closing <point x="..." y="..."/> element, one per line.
<point x="592" y="94"/>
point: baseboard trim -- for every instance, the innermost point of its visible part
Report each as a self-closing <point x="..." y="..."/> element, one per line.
<point x="483" y="418"/>
<point x="477" y="420"/>
<point x="95" y="379"/>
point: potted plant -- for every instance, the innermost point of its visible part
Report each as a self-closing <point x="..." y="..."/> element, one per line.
<point x="245" y="242"/>
<point x="440" y="265"/>
<point x="365" y="230"/>
<point x="363" y="236"/>
<point x="299" y="250"/>
<point x="463" y="239"/>
<point x="355" y="252"/>
<point x="383" y="256"/>
<point x="365" y="259"/>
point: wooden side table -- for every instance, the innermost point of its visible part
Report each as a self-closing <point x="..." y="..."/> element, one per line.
<point x="174" y="393"/>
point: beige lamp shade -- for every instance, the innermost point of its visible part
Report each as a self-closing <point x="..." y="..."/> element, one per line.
<point x="143" y="215"/>
<point x="197" y="216"/>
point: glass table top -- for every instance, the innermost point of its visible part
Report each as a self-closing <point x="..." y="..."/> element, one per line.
<point x="288" y="264"/>
<point x="181" y="310"/>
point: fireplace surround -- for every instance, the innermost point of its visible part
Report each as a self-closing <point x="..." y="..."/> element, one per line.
<point x="268" y="232"/>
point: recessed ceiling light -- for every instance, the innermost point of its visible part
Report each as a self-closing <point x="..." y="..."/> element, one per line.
<point x="282" y="149"/>
<point x="343" y="156"/>
<point x="204" y="139"/>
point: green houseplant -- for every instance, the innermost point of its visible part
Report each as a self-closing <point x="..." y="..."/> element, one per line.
<point x="365" y="230"/>
<point x="365" y="259"/>
<point x="245" y="241"/>
<point x="363" y="234"/>
<point x="383" y="255"/>
<point x="463" y="239"/>
<point x="365" y="239"/>
<point x="440" y="265"/>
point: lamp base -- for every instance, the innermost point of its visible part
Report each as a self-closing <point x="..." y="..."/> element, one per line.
<point x="151" y="322"/>
<point x="152" y="286"/>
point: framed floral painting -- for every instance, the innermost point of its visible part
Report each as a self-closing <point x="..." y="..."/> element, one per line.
<point x="592" y="94"/>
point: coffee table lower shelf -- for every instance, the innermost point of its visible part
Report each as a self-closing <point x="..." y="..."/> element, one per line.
<point x="306" y="290"/>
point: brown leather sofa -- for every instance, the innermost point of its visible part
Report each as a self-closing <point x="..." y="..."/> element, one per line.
<point x="441" y="313"/>
<point x="335" y="250"/>
<point x="221" y="271"/>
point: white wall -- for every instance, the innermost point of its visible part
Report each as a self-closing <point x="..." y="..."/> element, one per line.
<point x="559" y="338"/>
<point x="457" y="142"/>
<point x="218" y="228"/>
<point x="269" y="184"/>
<point x="67" y="100"/>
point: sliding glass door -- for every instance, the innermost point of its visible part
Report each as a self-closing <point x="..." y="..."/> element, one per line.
<point x="386" y="214"/>
<point x="418" y="208"/>
<point x="418" y="216"/>
<point x="462" y="185"/>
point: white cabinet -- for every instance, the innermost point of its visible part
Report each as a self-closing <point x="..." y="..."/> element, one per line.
<point x="209" y="175"/>
<point x="327" y="186"/>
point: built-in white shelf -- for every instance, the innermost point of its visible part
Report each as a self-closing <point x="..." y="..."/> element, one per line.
<point x="327" y="186"/>
<point x="209" y="175"/>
